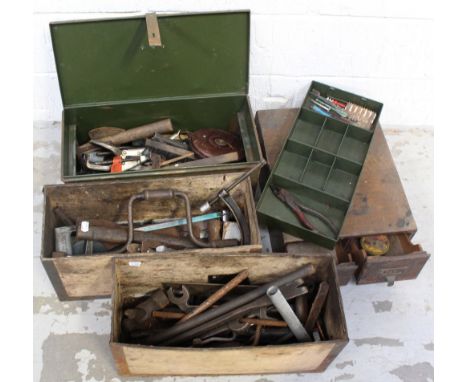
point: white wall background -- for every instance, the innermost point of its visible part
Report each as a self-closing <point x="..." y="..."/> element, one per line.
<point x="378" y="48"/>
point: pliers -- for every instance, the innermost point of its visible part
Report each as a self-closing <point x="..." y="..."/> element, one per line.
<point x="123" y="159"/>
<point x="300" y="209"/>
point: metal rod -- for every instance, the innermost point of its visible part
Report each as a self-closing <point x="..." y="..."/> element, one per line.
<point x="179" y="222"/>
<point x="216" y="296"/>
<point x="207" y="205"/>
<point x="285" y="310"/>
<point x="303" y="271"/>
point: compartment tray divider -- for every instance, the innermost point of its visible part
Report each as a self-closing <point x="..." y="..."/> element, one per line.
<point x="299" y="184"/>
<point x="334" y="159"/>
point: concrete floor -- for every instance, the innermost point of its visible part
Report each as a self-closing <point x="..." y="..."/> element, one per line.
<point x="390" y="328"/>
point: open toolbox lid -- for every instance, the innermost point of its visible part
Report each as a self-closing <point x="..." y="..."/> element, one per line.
<point x="110" y="60"/>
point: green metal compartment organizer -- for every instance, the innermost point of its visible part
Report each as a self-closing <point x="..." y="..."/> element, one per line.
<point x="110" y="76"/>
<point x="319" y="165"/>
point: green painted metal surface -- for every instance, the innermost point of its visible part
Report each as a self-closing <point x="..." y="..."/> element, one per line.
<point x="187" y="114"/>
<point x="319" y="165"/>
<point x="110" y="76"/>
<point x="104" y="61"/>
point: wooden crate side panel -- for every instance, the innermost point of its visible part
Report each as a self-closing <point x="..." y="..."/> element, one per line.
<point x="345" y="272"/>
<point x="180" y="268"/>
<point x="109" y="200"/>
<point x="119" y="358"/>
<point x="91" y="276"/>
<point x="84" y="276"/>
<point x="252" y="360"/>
<point x="54" y="277"/>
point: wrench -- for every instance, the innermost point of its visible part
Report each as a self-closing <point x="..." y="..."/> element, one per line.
<point x="182" y="300"/>
<point x="291" y="290"/>
<point x="237" y="302"/>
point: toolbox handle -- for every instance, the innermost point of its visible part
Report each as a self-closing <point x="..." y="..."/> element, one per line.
<point x="152" y="27"/>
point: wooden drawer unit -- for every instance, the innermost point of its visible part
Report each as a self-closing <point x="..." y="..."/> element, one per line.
<point x="140" y="275"/>
<point x="90" y="276"/>
<point x="379" y="206"/>
<point x="404" y="260"/>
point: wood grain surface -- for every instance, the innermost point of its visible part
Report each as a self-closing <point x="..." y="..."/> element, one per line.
<point x="379" y="204"/>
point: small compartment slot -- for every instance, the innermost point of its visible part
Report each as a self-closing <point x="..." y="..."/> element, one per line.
<point x="318" y="167"/>
<point x="327" y="205"/>
<point x="400" y="244"/>
<point x="307" y="127"/>
<point x="343" y="178"/>
<point x="331" y="136"/>
<point x="320" y="195"/>
<point x="291" y="164"/>
<point x="355" y="144"/>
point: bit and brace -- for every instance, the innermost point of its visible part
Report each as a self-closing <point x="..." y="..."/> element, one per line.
<point x="227" y="199"/>
<point x="170" y="194"/>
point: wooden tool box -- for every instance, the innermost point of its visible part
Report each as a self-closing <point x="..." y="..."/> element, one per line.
<point x="116" y="73"/>
<point x="137" y="276"/>
<point x="379" y="206"/>
<point x="90" y="276"/>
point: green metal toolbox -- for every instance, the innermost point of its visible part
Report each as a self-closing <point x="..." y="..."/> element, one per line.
<point x="110" y="75"/>
<point x="319" y="165"/>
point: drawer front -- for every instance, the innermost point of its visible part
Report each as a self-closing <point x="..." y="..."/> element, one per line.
<point x="392" y="268"/>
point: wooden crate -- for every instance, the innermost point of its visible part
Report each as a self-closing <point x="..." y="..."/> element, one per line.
<point x="84" y="277"/>
<point x="379" y="206"/>
<point x="139" y="275"/>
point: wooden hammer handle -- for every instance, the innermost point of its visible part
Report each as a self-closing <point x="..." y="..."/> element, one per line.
<point x="140" y="132"/>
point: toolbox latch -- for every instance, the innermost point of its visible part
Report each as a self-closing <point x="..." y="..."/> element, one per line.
<point x="152" y="26"/>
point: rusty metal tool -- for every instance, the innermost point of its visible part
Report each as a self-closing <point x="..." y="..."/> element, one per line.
<point x="299" y="209"/>
<point x="285" y="310"/>
<point x="211" y="161"/>
<point x="134" y="134"/>
<point x="170" y="194"/>
<point x="224" y="195"/>
<point x="209" y="203"/>
<point x="170" y="141"/>
<point x="63" y="239"/>
<point x="180" y="298"/>
<point x="116" y="159"/>
<point x="168" y="149"/>
<point x="247" y="320"/>
<point x="317" y="306"/>
<point x="290" y="290"/>
<point x="168" y="315"/>
<point x="157" y="300"/>
<point x="300" y="305"/>
<point x="304" y="271"/>
<point x="180" y="221"/>
<point x="88" y="230"/>
<point x="220" y="293"/>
